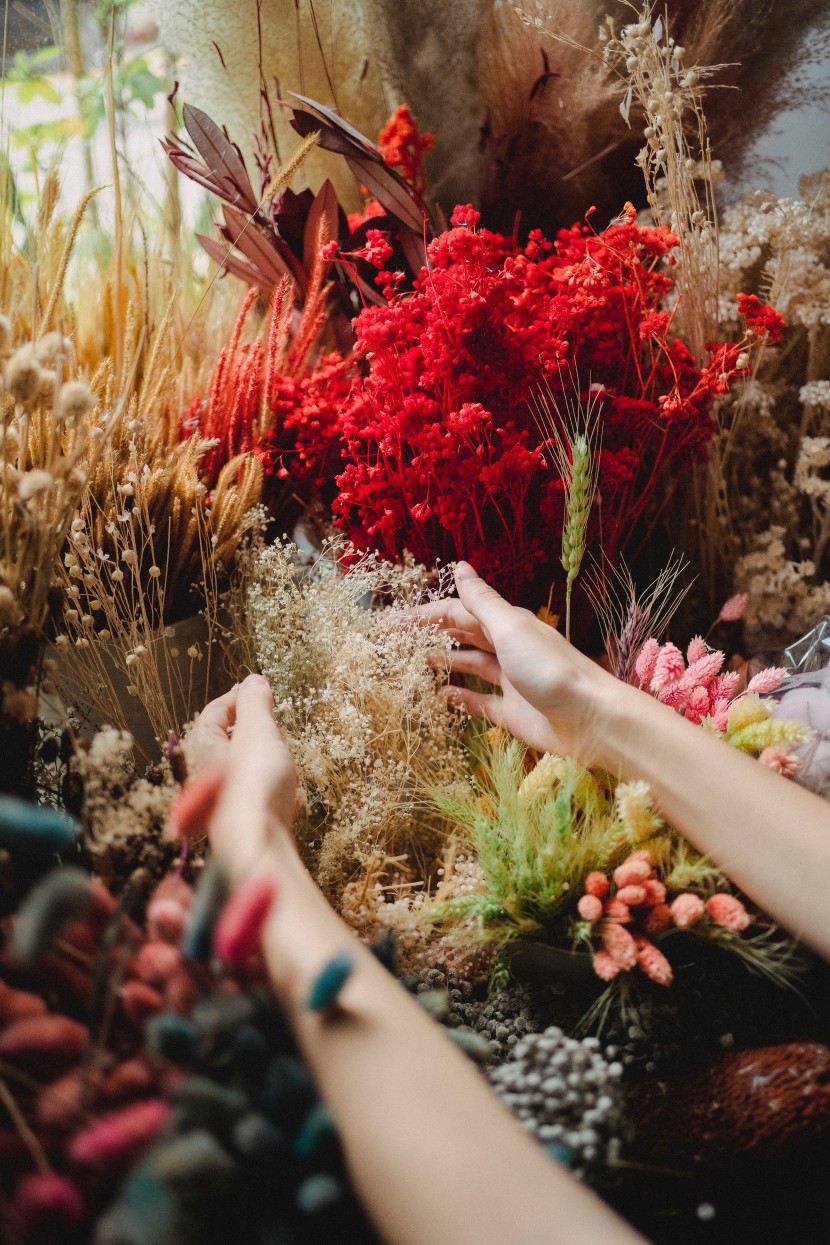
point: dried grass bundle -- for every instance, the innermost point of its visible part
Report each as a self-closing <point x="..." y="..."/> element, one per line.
<point x="358" y="699"/>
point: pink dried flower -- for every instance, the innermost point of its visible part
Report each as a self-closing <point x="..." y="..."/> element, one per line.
<point x="781" y="759"/>
<point x="653" y="963"/>
<point x="655" y="892"/>
<point x="155" y="962"/>
<point x="619" y="944"/>
<point x="238" y="931"/>
<point x="632" y="872"/>
<point x="597" y="883"/>
<point x="719" y="713"/>
<point x="590" y="907"/>
<point x="734" y="609"/>
<point x="705" y="669"/>
<point x="113" y="1139"/>
<point x="698" y="704"/>
<point x="767" y="680"/>
<point x="632" y="895"/>
<point x="686" y="910"/>
<point x="616" y="910"/>
<point x="47" y="1195"/>
<point x="605" y="966"/>
<point x="646" y="658"/>
<point x="668" y="668"/>
<point x="642" y="853"/>
<point x="728" y="911"/>
<point x="140" y="1001"/>
<point x="697" y="648"/>
<point x="725" y="685"/>
<point x="658" y="919"/>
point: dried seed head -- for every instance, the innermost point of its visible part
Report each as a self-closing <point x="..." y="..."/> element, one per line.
<point x="52" y="346"/>
<point x="34" y="482"/>
<point x="74" y="401"/>
<point x="23" y="376"/>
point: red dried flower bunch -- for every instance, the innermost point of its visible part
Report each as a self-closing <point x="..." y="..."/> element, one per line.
<point x="276" y="389"/>
<point x="442" y="450"/>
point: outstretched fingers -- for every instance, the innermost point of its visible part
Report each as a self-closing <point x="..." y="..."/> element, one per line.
<point x="474" y="661"/>
<point x="479" y="704"/>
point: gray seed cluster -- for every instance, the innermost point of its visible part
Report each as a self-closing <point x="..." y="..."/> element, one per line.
<point x="566" y="1094"/>
<point x="504" y="1019"/>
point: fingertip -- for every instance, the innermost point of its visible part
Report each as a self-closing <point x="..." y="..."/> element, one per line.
<point x="463" y="570"/>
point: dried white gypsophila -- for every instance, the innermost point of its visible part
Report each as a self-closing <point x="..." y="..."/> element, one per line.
<point x="358" y="698"/>
<point x="784" y="597"/>
<point x="123" y="815"/>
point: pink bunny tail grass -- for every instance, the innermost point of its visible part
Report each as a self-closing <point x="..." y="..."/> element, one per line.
<point x="658" y="920"/>
<point x="734" y="609"/>
<point x="632" y="872"/>
<point x="646" y="659"/>
<point x="697" y="648"/>
<point x="597" y="883"/>
<point x="239" y="928"/>
<point x="767" y="680"/>
<point x="729" y="912"/>
<point x="668" y="668"/>
<point x="114" y="1139"/>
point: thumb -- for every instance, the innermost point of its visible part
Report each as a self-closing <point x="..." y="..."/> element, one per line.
<point x="484" y="603"/>
<point x="255" y="723"/>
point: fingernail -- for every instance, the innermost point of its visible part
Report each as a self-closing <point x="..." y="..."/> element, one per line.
<point x="463" y="570"/>
<point x="254" y="680"/>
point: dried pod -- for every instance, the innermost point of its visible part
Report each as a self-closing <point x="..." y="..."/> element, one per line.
<point x="61" y="897"/>
<point x="44" y="1041"/>
<point x="27" y="828"/>
<point x="238" y="932"/>
<point x="115" y="1139"/>
<point x="329" y="982"/>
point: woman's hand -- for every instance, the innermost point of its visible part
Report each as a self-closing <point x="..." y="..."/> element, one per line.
<point x="247" y="791"/>
<point x="551" y="693"/>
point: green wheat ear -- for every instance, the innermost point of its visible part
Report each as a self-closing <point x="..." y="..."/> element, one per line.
<point x="575" y="457"/>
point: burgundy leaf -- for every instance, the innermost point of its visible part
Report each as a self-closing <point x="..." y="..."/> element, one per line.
<point x="273" y="260"/>
<point x="219" y="154"/>
<point x="390" y="190"/>
<point x="337" y="123"/>
<point x="223" y="257"/>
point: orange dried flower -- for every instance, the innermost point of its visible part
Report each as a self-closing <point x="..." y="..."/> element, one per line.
<point x="605" y="966"/>
<point x="686" y="910"/>
<point x="619" y="944"/>
<point x="590" y="907"/>
<point x="597" y="884"/>
<point x="728" y="911"/>
<point x="653" y="963"/>
<point x="658" y="919"/>
<point x="632" y="895"/>
<point x="632" y="872"/>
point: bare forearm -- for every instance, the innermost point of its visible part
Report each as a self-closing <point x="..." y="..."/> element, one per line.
<point x="769" y="835"/>
<point x="434" y="1155"/>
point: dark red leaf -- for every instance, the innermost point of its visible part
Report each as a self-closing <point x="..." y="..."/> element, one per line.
<point x="273" y="260"/>
<point x="219" y="154"/>
<point x="223" y="257"/>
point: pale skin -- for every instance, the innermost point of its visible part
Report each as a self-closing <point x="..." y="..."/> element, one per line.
<point x="434" y="1156"/>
